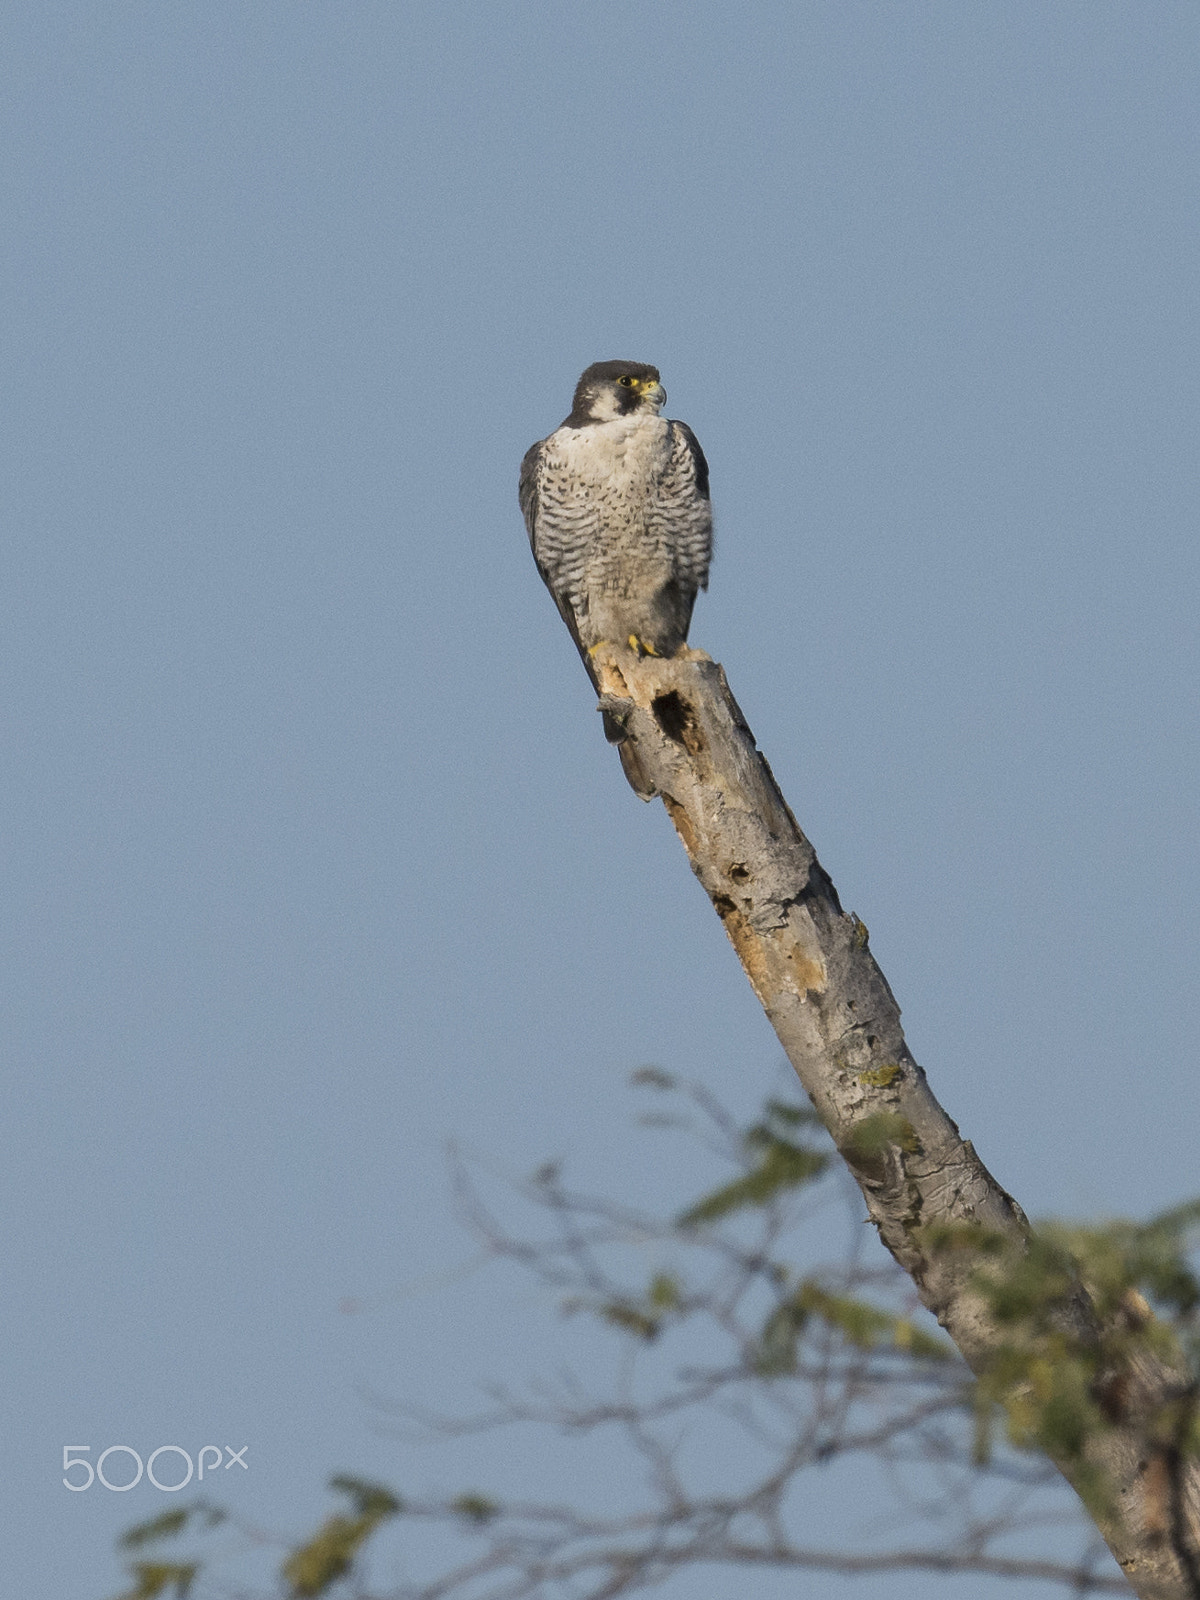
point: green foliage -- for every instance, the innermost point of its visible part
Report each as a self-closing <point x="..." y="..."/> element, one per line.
<point x="632" y="1319"/>
<point x="1149" y="1257"/>
<point x="164" y="1527"/>
<point x="475" y="1508"/>
<point x="645" y="1317"/>
<point x="869" y="1139"/>
<point x="155" y="1578"/>
<point x="780" y="1161"/>
<point x="861" y="1324"/>
<point x="881" y="1077"/>
<point x="330" y="1553"/>
<point x="368" y="1499"/>
<point x="1058" y="1381"/>
<point x="316" y="1566"/>
<point x="664" y="1293"/>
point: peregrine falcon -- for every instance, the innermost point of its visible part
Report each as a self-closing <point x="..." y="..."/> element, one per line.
<point x="617" y="508"/>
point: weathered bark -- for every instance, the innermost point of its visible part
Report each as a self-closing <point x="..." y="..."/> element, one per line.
<point x="839" y="1023"/>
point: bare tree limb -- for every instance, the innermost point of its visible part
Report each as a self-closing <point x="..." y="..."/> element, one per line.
<point x="927" y="1191"/>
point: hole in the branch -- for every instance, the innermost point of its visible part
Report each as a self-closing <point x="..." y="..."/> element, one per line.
<point x="671" y="715"/>
<point x="677" y="720"/>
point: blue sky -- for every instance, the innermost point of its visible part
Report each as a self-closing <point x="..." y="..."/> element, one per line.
<point x="315" y="855"/>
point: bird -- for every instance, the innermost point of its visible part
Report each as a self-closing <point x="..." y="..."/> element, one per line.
<point x="616" y="504"/>
<point x="617" y="508"/>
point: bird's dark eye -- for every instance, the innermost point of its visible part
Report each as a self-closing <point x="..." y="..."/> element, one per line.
<point x="626" y="382"/>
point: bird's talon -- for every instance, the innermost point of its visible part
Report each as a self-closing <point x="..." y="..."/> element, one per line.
<point x="641" y="647"/>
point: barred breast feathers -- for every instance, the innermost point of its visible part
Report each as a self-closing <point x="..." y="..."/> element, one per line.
<point x="621" y="527"/>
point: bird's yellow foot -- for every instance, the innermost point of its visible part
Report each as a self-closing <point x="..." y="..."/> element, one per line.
<point x="641" y="647"/>
<point x="600" y="644"/>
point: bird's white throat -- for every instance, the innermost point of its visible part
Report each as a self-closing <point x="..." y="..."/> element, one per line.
<point x="631" y="446"/>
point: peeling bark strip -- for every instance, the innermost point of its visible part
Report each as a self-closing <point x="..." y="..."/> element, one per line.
<point x="810" y="966"/>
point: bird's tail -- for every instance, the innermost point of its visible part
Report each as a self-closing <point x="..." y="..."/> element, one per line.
<point x="614" y="725"/>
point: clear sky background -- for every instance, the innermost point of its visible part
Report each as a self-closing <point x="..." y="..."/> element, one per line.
<point x="314" y="852"/>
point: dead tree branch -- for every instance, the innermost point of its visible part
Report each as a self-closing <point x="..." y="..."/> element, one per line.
<point x="937" y="1209"/>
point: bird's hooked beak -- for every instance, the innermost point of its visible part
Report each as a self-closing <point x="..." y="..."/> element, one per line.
<point x="651" y="391"/>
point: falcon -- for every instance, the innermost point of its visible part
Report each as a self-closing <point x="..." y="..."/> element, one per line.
<point x="617" y="508"/>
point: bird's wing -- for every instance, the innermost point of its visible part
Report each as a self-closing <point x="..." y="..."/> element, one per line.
<point x="527" y="494"/>
<point x="527" y="488"/>
<point x="699" y="464"/>
<point x="694" y="528"/>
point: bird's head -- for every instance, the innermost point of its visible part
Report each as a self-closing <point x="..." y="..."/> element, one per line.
<point x="611" y="389"/>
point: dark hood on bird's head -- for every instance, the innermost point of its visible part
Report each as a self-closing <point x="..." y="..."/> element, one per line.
<point x="603" y="373"/>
